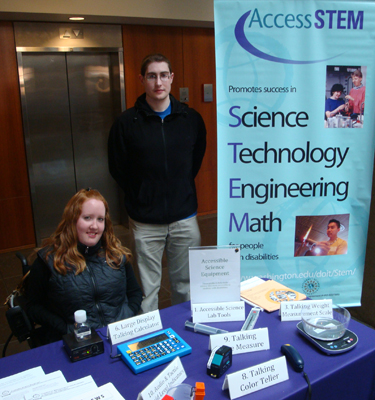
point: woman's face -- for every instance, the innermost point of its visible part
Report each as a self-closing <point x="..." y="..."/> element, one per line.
<point x="91" y="222"/>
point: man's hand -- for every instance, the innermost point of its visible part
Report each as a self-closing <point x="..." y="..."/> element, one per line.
<point x="302" y="250"/>
<point x="324" y="248"/>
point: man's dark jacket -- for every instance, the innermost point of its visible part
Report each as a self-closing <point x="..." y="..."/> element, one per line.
<point x="155" y="161"/>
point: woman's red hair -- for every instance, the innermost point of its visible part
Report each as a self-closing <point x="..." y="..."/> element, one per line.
<point x="63" y="242"/>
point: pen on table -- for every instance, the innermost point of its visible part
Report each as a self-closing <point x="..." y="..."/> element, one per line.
<point x="207" y="330"/>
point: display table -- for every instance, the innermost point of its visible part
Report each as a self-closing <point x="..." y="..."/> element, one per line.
<point x="349" y="375"/>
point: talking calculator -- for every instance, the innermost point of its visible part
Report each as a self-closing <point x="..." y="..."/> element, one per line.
<point x="153" y="350"/>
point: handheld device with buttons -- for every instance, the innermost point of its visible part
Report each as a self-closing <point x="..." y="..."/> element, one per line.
<point x="220" y="360"/>
<point x="293" y="357"/>
<point x="153" y="350"/>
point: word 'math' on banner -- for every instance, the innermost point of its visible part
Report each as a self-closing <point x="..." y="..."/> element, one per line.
<point x="295" y="101"/>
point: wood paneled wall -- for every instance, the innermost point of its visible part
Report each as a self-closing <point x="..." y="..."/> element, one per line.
<point x="192" y="55"/>
<point x="16" y="221"/>
<point x="199" y="69"/>
<point x="138" y="42"/>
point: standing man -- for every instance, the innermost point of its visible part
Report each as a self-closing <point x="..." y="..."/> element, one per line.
<point x="155" y="150"/>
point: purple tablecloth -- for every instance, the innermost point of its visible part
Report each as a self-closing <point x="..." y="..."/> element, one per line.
<point x="349" y="375"/>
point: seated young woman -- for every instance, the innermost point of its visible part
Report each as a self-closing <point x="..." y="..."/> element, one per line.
<point x="82" y="266"/>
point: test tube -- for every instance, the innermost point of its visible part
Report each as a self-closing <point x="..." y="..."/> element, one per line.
<point x="207" y="330"/>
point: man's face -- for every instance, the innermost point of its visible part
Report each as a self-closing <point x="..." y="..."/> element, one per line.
<point x="357" y="80"/>
<point x="332" y="230"/>
<point x="157" y="81"/>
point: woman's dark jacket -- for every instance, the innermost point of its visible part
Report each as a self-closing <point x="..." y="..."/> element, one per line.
<point x="155" y="161"/>
<point x="107" y="294"/>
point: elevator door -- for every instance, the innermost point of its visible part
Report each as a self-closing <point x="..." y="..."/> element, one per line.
<point x="69" y="101"/>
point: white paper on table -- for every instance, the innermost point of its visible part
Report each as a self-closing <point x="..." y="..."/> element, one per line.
<point x="64" y="392"/>
<point x="105" y="392"/>
<point x="248" y="284"/>
<point x="29" y="374"/>
<point x="26" y="389"/>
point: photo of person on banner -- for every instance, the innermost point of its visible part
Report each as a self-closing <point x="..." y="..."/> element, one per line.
<point x="311" y="244"/>
<point x="335" y="104"/>
<point x="345" y="96"/>
<point x="356" y="95"/>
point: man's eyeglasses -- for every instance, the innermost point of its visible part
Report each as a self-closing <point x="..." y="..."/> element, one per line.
<point x="164" y="76"/>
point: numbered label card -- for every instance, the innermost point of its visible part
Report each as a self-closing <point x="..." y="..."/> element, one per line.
<point x="173" y="375"/>
<point x="242" y="341"/>
<point x="292" y="311"/>
<point x="217" y="312"/>
<point x="129" y="328"/>
<point x="255" y="378"/>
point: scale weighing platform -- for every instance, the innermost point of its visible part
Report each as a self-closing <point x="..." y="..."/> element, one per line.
<point x="331" y="347"/>
<point x="153" y="350"/>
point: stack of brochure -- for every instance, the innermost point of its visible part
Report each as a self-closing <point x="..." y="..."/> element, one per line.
<point x="35" y="384"/>
<point x="268" y="295"/>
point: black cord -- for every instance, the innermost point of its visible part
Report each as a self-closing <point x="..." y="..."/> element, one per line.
<point x="6" y="344"/>
<point x="106" y="336"/>
<point x="116" y="356"/>
<point x="308" y="384"/>
<point x="102" y="335"/>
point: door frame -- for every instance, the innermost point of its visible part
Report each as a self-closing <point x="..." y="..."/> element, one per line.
<point x="26" y="130"/>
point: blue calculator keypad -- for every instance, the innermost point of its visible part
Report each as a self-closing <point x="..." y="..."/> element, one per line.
<point x="155" y="354"/>
<point x="155" y="351"/>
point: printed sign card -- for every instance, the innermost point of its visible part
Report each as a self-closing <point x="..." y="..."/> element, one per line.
<point x="255" y="378"/>
<point x="242" y="341"/>
<point x="172" y="375"/>
<point x="214" y="274"/>
<point x="218" y="312"/>
<point x="130" y="328"/>
<point x="312" y="308"/>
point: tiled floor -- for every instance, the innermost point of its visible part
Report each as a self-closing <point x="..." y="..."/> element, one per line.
<point x="10" y="276"/>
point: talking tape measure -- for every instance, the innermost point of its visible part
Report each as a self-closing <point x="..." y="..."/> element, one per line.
<point x="219" y="361"/>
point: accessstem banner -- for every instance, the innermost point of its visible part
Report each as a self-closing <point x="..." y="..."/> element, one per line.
<point x="295" y="103"/>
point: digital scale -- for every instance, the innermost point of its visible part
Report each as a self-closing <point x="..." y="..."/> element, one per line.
<point x="331" y="347"/>
<point x="153" y="350"/>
